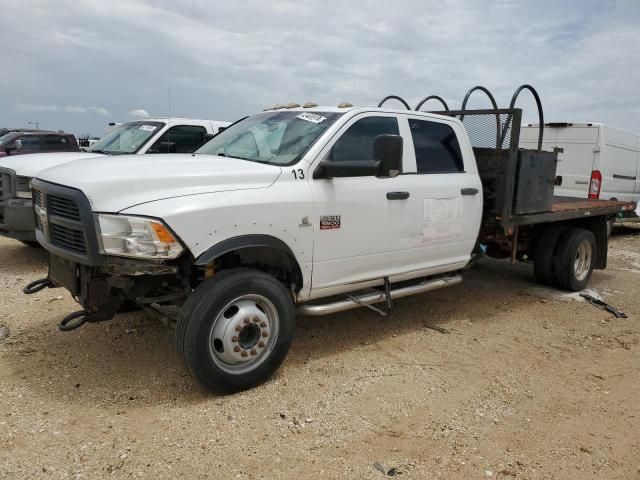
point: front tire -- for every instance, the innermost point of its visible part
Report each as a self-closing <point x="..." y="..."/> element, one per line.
<point x="235" y="330"/>
<point x="30" y="243"/>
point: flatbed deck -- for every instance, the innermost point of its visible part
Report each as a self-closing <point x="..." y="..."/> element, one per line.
<point x="567" y="208"/>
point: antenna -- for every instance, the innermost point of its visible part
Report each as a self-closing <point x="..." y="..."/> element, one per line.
<point x="36" y="123"/>
<point x="169" y="108"/>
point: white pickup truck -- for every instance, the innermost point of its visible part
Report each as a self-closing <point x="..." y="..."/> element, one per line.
<point x="308" y="210"/>
<point x="173" y="135"/>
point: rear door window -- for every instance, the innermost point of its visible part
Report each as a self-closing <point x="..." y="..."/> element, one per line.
<point x="55" y="143"/>
<point x="436" y="147"/>
<point x="28" y="143"/>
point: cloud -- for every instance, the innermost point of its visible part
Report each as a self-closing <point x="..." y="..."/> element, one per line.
<point x="99" y="110"/>
<point x="225" y="62"/>
<point x="55" y="108"/>
<point x="75" y="109"/>
<point x="138" y="113"/>
<point x="36" y="108"/>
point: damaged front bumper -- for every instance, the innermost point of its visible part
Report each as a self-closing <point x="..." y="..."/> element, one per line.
<point x="117" y="285"/>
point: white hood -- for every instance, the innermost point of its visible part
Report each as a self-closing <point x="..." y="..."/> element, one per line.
<point x="32" y="164"/>
<point x="122" y="181"/>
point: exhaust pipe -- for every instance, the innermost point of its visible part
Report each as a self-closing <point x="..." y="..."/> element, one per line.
<point x="371" y="298"/>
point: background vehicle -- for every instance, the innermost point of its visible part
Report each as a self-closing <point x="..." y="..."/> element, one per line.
<point x="175" y="135"/>
<point x="4" y="131"/>
<point x="594" y="160"/>
<point x="311" y="210"/>
<point x="23" y="142"/>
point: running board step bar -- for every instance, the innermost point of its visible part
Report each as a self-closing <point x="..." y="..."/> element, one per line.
<point x="315" y="309"/>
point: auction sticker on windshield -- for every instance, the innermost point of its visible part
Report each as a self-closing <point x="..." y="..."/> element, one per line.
<point x="312" y="117"/>
<point x="147" y="128"/>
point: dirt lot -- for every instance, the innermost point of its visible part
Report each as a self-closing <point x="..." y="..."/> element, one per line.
<point x="529" y="383"/>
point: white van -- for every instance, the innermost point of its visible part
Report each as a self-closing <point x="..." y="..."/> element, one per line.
<point x="594" y="160"/>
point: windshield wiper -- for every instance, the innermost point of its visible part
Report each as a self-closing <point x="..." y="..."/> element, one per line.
<point x="104" y="152"/>
<point x="222" y="154"/>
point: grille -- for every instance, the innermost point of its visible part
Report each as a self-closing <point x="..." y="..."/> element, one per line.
<point x="68" y="238"/>
<point x="5" y="185"/>
<point x="37" y="198"/>
<point x="37" y="202"/>
<point x="63" y="207"/>
<point x="64" y="223"/>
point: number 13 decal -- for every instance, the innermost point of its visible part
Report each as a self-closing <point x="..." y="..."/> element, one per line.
<point x="298" y="174"/>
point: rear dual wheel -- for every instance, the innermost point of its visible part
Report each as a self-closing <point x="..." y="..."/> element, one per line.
<point x="565" y="257"/>
<point x="543" y="264"/>
<point x="235" y="330"/>
<point x="610" y="223"/>
<point x="574" y="259"/>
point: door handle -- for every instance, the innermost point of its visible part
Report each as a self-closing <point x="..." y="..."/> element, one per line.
<point x="623" y="177"/>
<point x="397" y="195"/>
<point x="469" y="191"/>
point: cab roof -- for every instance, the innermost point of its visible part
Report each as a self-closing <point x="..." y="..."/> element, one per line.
<point x="176" y="119"/>
<point x="33" y="132"/>
<point x="358" y="109"/>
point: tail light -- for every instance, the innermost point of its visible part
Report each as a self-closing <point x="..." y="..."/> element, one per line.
<point x="595" y="185"/>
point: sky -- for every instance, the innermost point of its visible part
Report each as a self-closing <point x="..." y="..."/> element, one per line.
<point x="78" y="65"/>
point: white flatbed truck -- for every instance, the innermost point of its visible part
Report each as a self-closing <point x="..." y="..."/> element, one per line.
<point x="304" y="210"/>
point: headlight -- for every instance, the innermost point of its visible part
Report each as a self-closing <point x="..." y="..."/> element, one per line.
<point x="23" y="187"/>
<point x="137" y="237"/>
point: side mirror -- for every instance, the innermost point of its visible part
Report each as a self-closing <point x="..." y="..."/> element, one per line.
<point x="387" y="162"/>
<point x="388" y="150"/>
<point x="10" y="148"/>
<point x="207" y="137"/>
<point x="167" y="147"/>
<point x="222" y="129"/>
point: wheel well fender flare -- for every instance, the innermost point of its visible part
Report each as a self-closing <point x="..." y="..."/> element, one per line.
<point x="244" y="242"/>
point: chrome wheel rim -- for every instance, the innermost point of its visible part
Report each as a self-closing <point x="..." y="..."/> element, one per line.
<point x="582" y="262"/>
<point x="244" y="334"/>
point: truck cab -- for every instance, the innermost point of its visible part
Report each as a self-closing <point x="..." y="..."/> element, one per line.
<point x="14" y="143"/>
<point x="300" y="203"/>
<point x="151" y="136"/>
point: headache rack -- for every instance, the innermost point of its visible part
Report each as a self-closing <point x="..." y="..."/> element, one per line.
<point x="516" y="182"/>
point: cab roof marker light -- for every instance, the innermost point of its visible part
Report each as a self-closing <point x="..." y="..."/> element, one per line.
<point x="310" y="105"/>
<point x="345" y="105"/>
<point x="279" y="107"/>
<point x="293" y="105"/>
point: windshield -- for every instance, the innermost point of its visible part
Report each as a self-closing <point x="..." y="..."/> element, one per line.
<point x="6" y="138"/>
<point x="277" y="137"/>
<point x="126" y="138"/>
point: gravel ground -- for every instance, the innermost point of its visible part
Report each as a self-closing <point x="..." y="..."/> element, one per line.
<point x="524" y="382"/>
